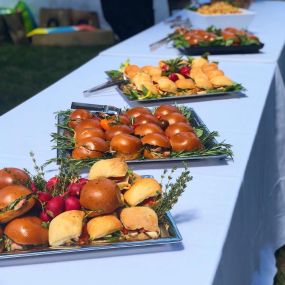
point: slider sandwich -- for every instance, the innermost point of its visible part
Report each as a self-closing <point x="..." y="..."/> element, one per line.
<point x="66" y="228"/>
<point x="15" y="200"/>
<point x="115" y="169"/>
<point x="144" y="192"/>
<point x="1" y="240"/>
<point x="25" y="233"/>
<point x="104" y="229"/>
<point x="140" y="223"/>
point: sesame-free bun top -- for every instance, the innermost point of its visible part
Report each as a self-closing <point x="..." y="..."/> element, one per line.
<point x="141" y="190"/>
<point x="135" y="218"/>
<point x="12" y="175"/>
<point x="102" y="226"/>
<point x="114" y="167"/>
<point x="101" y="195"/>
<point x="27" y="231"/>
<point x="9" y="195"/>
<point x="65" y="227"/>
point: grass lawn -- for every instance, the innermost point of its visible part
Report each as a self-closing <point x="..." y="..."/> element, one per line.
<point x="26" y="70"/>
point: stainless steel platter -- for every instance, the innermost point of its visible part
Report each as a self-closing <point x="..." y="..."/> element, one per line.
<point x="195" y="122"/>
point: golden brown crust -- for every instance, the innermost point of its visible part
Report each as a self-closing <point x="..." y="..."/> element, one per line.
<point x="141" y="190"/>
<point x="87" y="133"/>
<point x="27" y="231"/>
<point x="136" y="111"/>
<point x="165" y="110"/>
<point x="77" y="116"/>
<point x="156" y="140"/>
<point x="101" y="195"/>
<point x="65" y="227"/>
<point x="116" y="130"/>
<point x="146" y="129"/>
<point x="185" y="142"/>
<point x="135" y="218"/>
<point x="1" y="240"/>
<point x="102" y="226"/>
<point x="174" y="117"/>
<point x="12" y="175"/>
<point x="8" y="195"/>
<point x="125" y="144"/>
<point x="178" y="128"/>
<point x="145" y="119"/>
<point x="114" y="167"/>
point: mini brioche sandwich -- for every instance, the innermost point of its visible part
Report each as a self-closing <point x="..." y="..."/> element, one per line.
<point x="25" y="233"/>
<point x="104" y="228"/>
<point x="66" y="228"/>
<point x="115" y="169"/>
<point x="15" y="200"/>
<point x="145" y="192"/>
<point x="140" y="223"/>
<point x="1" y="240"/>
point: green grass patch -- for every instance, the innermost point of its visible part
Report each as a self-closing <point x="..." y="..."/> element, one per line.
<point x="26" y="70"/>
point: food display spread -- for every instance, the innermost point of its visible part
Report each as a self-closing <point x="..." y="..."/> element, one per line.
<point x="138" y="133"/>
<point x="183" y="37"/>
<point x="173" y="79"/>
<point x="218" y="8"/>
<point x="113" y="205"/>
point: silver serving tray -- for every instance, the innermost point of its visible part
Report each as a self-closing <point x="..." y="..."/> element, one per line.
<point x="12" y="258"/>
<point x="197" y="122"/>
<point x="168" y="236"/>
<point x="176" y="98"/>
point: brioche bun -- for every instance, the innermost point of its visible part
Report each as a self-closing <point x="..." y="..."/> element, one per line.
<point x="77" y="116"/>
<point x="146" y="129"/>
<point x="101" y="195"/>
<point x="185" y="142"/>
<point x="126" y="146"/>
<point x="27" y="231"/>
<point x="1" y="240"/>
<point x="116" y="130"/>
<point x="9" y="195"/>
<point x="135" y="218"/>
<point x="114" y="167"/>
<point x="102" y="226"/>
<point x="176" y="128"/>
<point x="65" y="227"/>
<point x="164" y="110"/>
<point x="173" y="118"/>
<point x="137" y="111"/>
<point x="12" y="175"/>
<point x="141" y="190"/>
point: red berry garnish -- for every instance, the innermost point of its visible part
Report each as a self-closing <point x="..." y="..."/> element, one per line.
<point x="185" y="71"/>
<point x="173" y="77"/>
<point x="165" y="67"/>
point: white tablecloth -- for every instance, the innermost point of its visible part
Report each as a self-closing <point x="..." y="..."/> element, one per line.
<point x="231" y="217"/>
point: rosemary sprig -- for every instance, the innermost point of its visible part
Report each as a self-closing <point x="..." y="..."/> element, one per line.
<point x="173" y="190"/>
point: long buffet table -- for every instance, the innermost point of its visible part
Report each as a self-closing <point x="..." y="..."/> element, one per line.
<point x="231" y="217"/>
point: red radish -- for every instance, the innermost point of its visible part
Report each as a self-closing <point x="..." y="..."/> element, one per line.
<point x="51" y="183"/>
<point x="83" y="181"/>
<point x="55" y="206"/>
<point x="185" y="71"/>
<point x="45" y="217"/>
<point x="173" y="77"/>
<point x="74" y="189"/>
<point x="44" y="196"/>
<point x="165" y="67"/>
<point x="72" y="203"/>
<point x="34" y="187"/>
